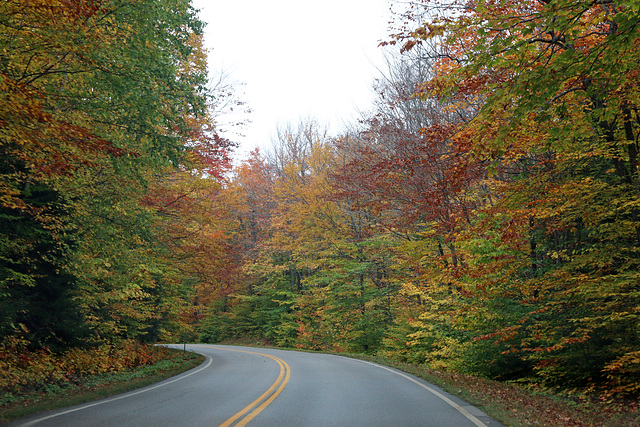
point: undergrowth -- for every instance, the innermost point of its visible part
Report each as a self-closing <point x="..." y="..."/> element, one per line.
<point x="36" y="381"/>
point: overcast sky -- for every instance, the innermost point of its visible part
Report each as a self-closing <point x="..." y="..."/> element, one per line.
<point x="296" y="58"/>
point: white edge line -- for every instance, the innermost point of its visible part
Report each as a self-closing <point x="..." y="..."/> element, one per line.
<point x="453" y="404"/>
<point x="101" y="402"/>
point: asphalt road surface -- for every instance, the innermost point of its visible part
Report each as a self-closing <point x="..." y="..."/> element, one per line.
<point x="238" y="386"/>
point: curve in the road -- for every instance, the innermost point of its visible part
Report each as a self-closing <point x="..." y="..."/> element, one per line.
<point x="283" y="388"/>
<point x="269" y="395"/>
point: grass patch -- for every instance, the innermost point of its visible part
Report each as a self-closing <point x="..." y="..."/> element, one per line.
<point x="17" y="404"/>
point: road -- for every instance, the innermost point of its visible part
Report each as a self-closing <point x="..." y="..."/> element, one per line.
<point x="267" y="387"/>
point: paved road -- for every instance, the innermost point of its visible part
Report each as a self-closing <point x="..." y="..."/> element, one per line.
<point x="265" y="387"/>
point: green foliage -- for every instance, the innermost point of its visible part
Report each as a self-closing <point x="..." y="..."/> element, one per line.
<point x="97" y="101"/>
<point x="36" y="297"/>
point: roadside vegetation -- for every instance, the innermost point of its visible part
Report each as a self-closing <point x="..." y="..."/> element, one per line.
<point x="32" y="382"/>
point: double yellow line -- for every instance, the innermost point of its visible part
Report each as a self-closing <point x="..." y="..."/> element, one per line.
<point x="266" y="398"/>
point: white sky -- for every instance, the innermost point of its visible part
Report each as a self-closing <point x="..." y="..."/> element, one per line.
<point x="297" y="58"/>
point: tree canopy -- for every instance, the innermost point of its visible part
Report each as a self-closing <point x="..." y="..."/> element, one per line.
<point x="99" y="100"/>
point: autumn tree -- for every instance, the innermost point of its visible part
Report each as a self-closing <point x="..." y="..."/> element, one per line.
<point x="247" y="197"/>
<point x="557" y="128"/>
<point x="95" y="102"/>
<point x="312" y="276"/>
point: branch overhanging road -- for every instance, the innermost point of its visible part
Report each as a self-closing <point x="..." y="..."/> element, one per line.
<point x="237" y="386"/>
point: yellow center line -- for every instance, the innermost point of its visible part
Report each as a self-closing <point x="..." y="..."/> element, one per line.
<point x="267" y="402"/>
<point x="285" y="372"/>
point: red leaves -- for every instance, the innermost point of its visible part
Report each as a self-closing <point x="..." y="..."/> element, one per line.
<point x="504" y="334"/>
<point x="24" y="369"/>
<point x="421" y="177"/>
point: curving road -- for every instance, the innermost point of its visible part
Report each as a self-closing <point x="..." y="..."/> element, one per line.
<point x="236" y="386"/>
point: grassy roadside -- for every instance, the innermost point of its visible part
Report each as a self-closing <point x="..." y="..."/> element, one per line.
<point x="95" y="387"/>
<point x="512" y="404"/>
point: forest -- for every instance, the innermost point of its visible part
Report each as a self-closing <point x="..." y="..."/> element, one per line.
<point x="483" y="217"/>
